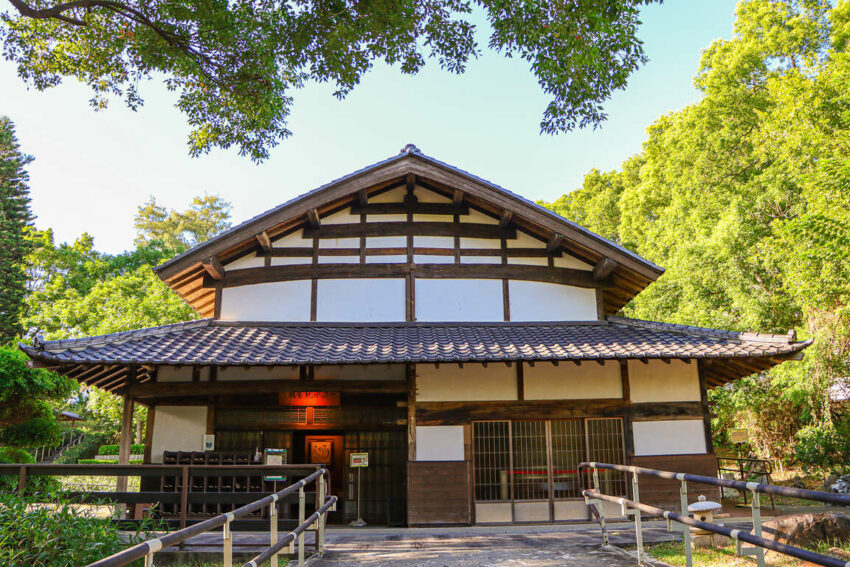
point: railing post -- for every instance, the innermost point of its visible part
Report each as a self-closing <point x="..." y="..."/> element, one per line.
<point x="273" y="529"/>
<point x="638" y="527"/>
<point x="22" y="480"/>
<point x="227" y="546"/>
<point x="686" y="531"/>
<point x="759" y="551"/>
<point x="149" y="560"/>
<point x="301" y="518"/>
<point x="320" y="501"/>
<point x="600" y="509"/>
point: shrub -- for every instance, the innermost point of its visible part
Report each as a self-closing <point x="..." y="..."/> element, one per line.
<point x="135" y="449"/>
<point x="824" y="446"/>
<point x="57" y="535"/>
<point x="9" y="483"/>
<point x="86" y="449"/>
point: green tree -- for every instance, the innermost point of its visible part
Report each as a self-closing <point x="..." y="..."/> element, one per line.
<point x="235" y="65"/>
<point x="181" y="230"/>
<point x="28" y="397"/>
<point x="744" y="197"/>
<point x="15" y="216"/>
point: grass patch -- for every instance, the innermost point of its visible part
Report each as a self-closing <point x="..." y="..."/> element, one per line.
<point x="673" y="553"/>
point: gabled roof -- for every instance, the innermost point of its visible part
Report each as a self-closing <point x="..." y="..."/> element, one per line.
<point x="208" y="342"/>
<point x="632" y="273"/>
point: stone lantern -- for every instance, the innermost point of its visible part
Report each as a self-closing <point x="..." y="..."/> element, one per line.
<point x="704" y="510"/>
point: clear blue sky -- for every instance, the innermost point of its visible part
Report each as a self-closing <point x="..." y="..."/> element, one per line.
<point x="93" y="169"/>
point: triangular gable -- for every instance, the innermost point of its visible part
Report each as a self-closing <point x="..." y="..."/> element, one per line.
<point x="442" y="190"/>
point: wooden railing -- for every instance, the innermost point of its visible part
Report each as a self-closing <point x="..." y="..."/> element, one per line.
<point x="594" y="498"/>
<point x="183" y="498"/>
<point x="317" y="519"/>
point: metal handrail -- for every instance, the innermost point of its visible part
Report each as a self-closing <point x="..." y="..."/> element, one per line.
<point x="593" y="496"/>
<point x="147" y="548"/>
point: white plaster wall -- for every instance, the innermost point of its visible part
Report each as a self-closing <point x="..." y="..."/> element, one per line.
<point x="660" y="382"/>
<point x="339" y="259"/>
<point x="439" y="443"/>
<point x="339" y="243"/>
<point x="530" y="261"/>
<point x="394" y="372"/>
<point x="491" y="243"/>
<point x="428" y="196"/>
<point x="478" y="217"/>
<point x="276" y="301"/>
<point x="567" y="261"/>
<point x="290" y="261"/>
<point x="434" y="242"/>
<point x="392" y="196"/>
<point x="377" y="259"/>
<point x="525" y="240"/>
<point x="433" y="218"/>
<point x="386" y="241"/>
<point x="178" y="428"/>
<point x="545" y="381"/>
<point x="459" y="300"/>
<point x="242" y="373"/>
<point x="249" y="261"/>
<point x="540" y="301"/>
<point x="293" y="239"/>
<point x="473" y="382"/>
<point x="427" y="259"/>
<point x="360" y="300"/>
<point x="480" y="260"/>
<point x="341" y="217"/>
<point x="390" y="217"/>
<point x="175" y="373"/>
<point x="674" y="437"/>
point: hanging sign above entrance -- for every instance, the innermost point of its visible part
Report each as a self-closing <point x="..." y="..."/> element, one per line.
<point x="306" y="399"/>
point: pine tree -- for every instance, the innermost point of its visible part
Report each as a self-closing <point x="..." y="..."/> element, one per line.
<point x="15" y="216"/>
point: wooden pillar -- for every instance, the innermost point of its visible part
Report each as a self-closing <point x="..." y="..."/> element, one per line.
<point x="706" y="414"/>
<point x="628" y="432"/>
<point x="149" y="433"/>
<point x="126" y="431"/>
<point x="411" y="412"/>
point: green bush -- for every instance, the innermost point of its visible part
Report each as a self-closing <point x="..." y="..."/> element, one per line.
<point x="9" y="483"/>
<point x="86" y="449"/>
<point x="135" y="449"/>
<point x="824" y="447"/>
<point x="59" y="535"/>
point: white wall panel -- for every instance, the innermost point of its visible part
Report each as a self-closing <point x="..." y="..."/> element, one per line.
<point x="290" y="261"/>
<point x="377" y="259"/>
<point x="434" y="242"/>
<point x="249" y="261"/>
<point x="473" y="382"/>
<point x="567" y="261"/>
<point x="341" y="217"/>
<point x="276" y="301"/>
<point x="480" y="260"/>
<point x="433" y="218"/>
<point x="427" y="196"/>
<point x="525" y="240"/>
<point x="178" y="428"/>
<point x="392" y="196"/>
<point x="545" y="381"/>
<point x="386" y="241"/>
<point x="478" y="217"/>
<point x="425" y="259"/>
<point x="175" y="373"/>
<point x="390" y="217"/>
<point x="539" y="301"/>
<point x="674" y="437"/>
<point x="491" y="243"/>
<point x="459" y="300"/>
<point x="339" y="243"/>
<point x="661" y="382"/>
<point x="360" y="300"/>
<point x="293" y="239"/>
<point x="339" y="259"/>
<point x="530" y="261"/>
<point x="439" y="443"/>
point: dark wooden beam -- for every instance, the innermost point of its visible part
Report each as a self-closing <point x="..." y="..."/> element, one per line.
<point x="654" y="411"/>
<point x="604" y="268"/>
<point x="457" y="197"/>
<point x="505" y="219"/>
<point x="451" y="413"/>
<point x="362" y="198"/>
<point x="265" y="241"/>
<point x="304" y="252"/>
<point x="313" y="218"/>
<point x="214" y="268"/>
<point x="354" y="230"/>
<point x="219" y="387"/>
<point x="250" y="276"/>
<point x="554" y="242"/>
<point x="410" y="182"/>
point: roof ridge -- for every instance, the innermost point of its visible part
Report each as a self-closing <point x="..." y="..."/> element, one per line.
<point x="691" y="329"/>
<point x="120" y="336"/>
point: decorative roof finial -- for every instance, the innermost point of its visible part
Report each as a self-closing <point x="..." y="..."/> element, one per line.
<point x="410" y="149"/>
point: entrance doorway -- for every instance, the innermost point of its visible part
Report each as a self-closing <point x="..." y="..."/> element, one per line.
<point x="327" y="450"/>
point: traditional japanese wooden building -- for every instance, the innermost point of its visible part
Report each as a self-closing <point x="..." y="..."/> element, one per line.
<point x="461" y="335"/>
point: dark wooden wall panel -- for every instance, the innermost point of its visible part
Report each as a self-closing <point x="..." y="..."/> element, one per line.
<point x="665" y="493"/>
<point x="438" y="493"/>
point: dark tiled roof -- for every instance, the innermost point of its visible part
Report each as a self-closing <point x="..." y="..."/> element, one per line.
<point x="214" y="342"/>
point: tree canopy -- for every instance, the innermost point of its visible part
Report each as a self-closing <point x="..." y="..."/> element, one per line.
<point x="744" y="197"/>
<point x="236" y="65"/>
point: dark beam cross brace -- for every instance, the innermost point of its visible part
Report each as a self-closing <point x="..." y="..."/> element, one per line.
<point x="214" y="268"/>
<point x="604" y="268"/>
<point x="265" y="241"/>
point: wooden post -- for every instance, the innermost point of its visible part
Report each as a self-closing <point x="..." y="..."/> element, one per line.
<point x="184" y="499"/>
<point x="411" y="412"/>
<point x="628" y="432"/>
<point x="126" y="439"/>
<point x="22" y="480"/>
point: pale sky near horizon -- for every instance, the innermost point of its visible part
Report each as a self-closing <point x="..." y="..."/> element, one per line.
<point x="93" y="169"/>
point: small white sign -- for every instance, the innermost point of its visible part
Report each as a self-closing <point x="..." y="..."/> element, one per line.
<point x="209" y="442"/>
<point x="359" y="460"/>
